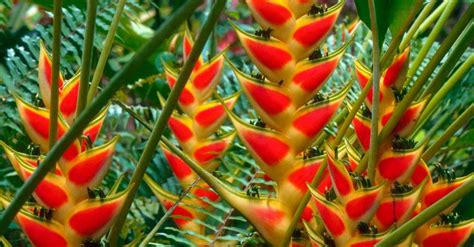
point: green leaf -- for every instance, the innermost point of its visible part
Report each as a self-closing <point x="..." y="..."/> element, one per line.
<point x="390" y="14"/>
<point x="400" y="10"/>
<point x="382" y="12"/>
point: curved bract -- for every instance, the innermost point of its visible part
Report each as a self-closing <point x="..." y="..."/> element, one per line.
<point x="65" y="213"/>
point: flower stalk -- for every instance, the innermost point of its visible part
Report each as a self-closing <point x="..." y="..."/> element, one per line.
<point x="54" y="97"/>
<point x="104" y="55"/>
<point x="421" y="17"/>
<point x="374" y="124"/>
<point x="120" y="79"/>
<point x="432" y="37"/>
<point x="87" y="55"/>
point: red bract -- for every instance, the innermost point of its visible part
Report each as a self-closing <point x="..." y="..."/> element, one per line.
<point x="65" y="215"/>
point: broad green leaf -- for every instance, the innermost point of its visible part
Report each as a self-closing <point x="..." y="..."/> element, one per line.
<point x="390" y="14"/>
<point x="399" y="13"/>
<point x="382" y="12"/>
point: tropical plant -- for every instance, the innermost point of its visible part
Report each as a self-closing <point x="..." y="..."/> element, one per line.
<point x="275" y="147"/>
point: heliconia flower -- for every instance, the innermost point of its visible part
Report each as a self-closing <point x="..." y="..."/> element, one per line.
<point x="333" y="217"/>
<point x="68" y="99"/>
<point x="421" y="173"/>
<point x="403" y="128"/>
<point x="51" y="192"/>
<point x="36" y="123"/>
<point x="211" y="115"/>
<point x="310" y="120"/>
<point x="398" y="165"/>
<point x="294" y="185"/>
<point x="438" y="190"/>
<point x="397" y="208"/>
<point x="188" y="44"/>
<point x="41" y="232"/>
<point x="408" y="121"/>
<point x="340" y="178"/>
<point x="207" y="77"/>
<point x="310" y="31"/>
<point x="91" y="218"/>
<point x="93" y="129"/>
<point x="32" y="160"/>
<point x="445" y="235"/>
<point x="274" y="14"/>
<point x="45" y="75"/>
<point x="271" y="150"/>
<point x="207" y="152"/>
<point x="279" y="66"/>
<point x="392" y="77"/>
<point x="187" y="100"/>
<point x="89" y="168"/>
<point x="311" y="75"/>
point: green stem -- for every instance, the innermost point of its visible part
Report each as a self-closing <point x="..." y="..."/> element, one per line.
<point x="406" y="229"/>
<point x="120" y="79"/>
<point x="104" y="55"/>
<point x="405" y="103"/>
<point x="460" y="121"/>
<point x="431" y="18"/>
<point x="168" y="213"/>
<point x="304" y="201"/>
<point x="437" y="126"/>
<point x="431" y="38"/>
<point x="87" y="56"/>
<point x="439" y="96"/>
<point x="459" y="47"/>
<point x="421" y="17"/>
<point x="160" y="125"/>
<point x="54" y="100"/>
<point x="374" y="123"/>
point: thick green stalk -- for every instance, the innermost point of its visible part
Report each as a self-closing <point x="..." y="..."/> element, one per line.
<point x="304" y="201"/>
<point x="54" y="97"/>
<point x="431" y="38"/>
<point x="462" y="120"/>
<point x="441" y="93"/>
<point x="160" y="125"/>
<point x="168" y="213"/>
<point x="406" y="229"/>
<point x="120" y="79"/>
<point x="104" y="55"/>
<point x="431" y="18"/>
<point x="407" y="38"/>
<point x="87" y="56"/>
<point x="461" y="44"/>
<point x="374" y="122"/>
<point x="405" y="103"/>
